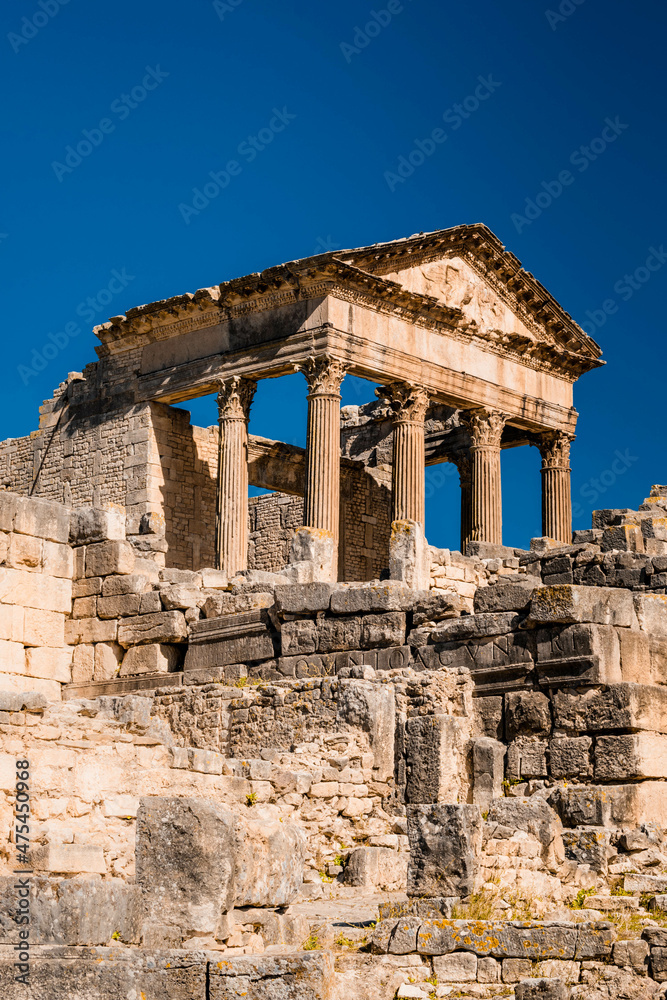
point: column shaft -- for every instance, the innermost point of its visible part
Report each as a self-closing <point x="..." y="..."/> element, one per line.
<point x="321" y="501"/>
<point x="556" y="489"/>
<point x="485" y="429"/>
<point x="465" y="478"/>
<point x="409" y="404"/>
<point x="234" y="400"/>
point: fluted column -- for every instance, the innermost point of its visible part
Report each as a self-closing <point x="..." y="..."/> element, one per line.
<point x="321" y="502"/>
<point x="409" y="404"/>
<point x="486" y="428"/>
<point x="234" y="400"/>
<point x="556" y="492"/>
<point x="464" y="465"/>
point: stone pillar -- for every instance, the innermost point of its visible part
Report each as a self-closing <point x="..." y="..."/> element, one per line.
<point x="556" y="496"/>
<point x="321" y="502"/>
<point x="409" y="404"/>
<point x="464" y="465"/>
<point x="234" y="400"/>
<point x="486" y="428"/>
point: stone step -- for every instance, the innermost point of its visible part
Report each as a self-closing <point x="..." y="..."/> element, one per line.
<point x="613" y="903"/>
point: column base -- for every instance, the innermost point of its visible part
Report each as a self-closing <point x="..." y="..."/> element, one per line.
<point x="409" y="558"/>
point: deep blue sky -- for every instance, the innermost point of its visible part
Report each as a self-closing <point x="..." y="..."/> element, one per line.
<point x="321" y="184"/>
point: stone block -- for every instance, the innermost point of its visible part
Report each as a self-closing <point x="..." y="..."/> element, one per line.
<point x="12" y="620"/>
<point x="43" y="628"/>
<point x="269" y="857"/>
<point x="298" y="637"/>
<point x="51" y="664"/>
<point x="338" y="634"/>
<point x="125" y="806"/>
<point x="51" y="690"/>
<point x="84" y="607"/>
<point x="186" y="861"/>
<point x="380" y="631"/>
<point x="579" y="653"/>
<point x="12" y="657"/>
<point x="489" y="716"/>
<point x="108" y="657"/>
<point x="303" y="598"/>
<point x="488" y="767"/>
<point x="526" y="712"/>
<point x="125" y="606"/>
<point x="431" y="607"/>
<point x="313" y="547"/>
<point x="69" y="859"/>
<point x="476" y="626"/>
<point x="151" y="658"/>
<point x="652" y="614"/>
<point x="89" y="630"/>
<point x="505" y="596"/>
<point x="623" y="538"/>
<point x="534" y="816"/>
<point x="409" y="558"/>
<point x="219" y="605"/>
<point x="516" y="969"/>
<point x="166" y="626"/>
<point x="32" y="590"/>
<point x="25" y="552"/>
<point x="213" y="579"/>
<point x="93" y="524"/>
<point x="107" y="558"/>
<point x="377" y="868"/>
<point x="389" y="596"/>
<point x="611" y="805"/>
<point x="444" y="843"/>
<point x="588" y="847"/>
<point x="570" y="758"/>
<point x="42" y="518"/>
<point x="118" y="586"/>
<point x="434" y="752"/>
<point x="635" y="653"/>
<point x="639" y="755"/>
<point x="371" y="707"/>
<point x="527" y="758"/>
<point x="632" y="955"/>
<point x="619" y="706"/>
<point x="307" y="975"/>
<point x="458" y="967"/>
<point x="542" y="989"/>
<point x="566" y="604"/>
<point x="508" y="939"/>
<point x="83" y="664"/>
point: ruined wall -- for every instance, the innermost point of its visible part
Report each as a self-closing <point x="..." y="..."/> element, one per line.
<point x="273" y="518"/>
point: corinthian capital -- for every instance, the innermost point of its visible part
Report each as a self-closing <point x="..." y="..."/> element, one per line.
<point x="235" y="395"/>
<point x="555" y="449"/>
<point x="408" y="402"/>
<point x="323" y="374"/>
<point x="485" y="427"/>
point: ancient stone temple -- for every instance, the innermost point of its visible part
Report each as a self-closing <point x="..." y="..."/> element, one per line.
<point x="284" y="749"/>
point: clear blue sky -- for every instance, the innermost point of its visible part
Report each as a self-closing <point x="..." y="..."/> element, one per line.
<point x="209" y="78"/>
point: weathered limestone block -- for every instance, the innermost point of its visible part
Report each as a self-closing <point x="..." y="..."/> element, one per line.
<point x="58" y="560"/>
<point x="588" y="847"/>
<point x="444" y="843"/>
<point x="93" y="524"/>
<point x="377" y="867"/>
<point x="622" y="538"/>
<point x="510" y="939"/>
<point x="513" y="596"/>
<point x="570" y="758"/>
<point x="430" y="607"/>
<point x="303" y="598"/>
<point x="619" y="706"/>
<point x="269" y="859"/>
<point x="489" y="716"/>
<point x="125" y="606"/>
<point x="118" y="586"/>
<point x="372" y="708"/>
<point x="41" y="518"/>
<point x="565" y="603"/>
<point x="51" y="664"/>
<point x="219" y="605"/>
<point x="635" y="651"/>
<point x="298" y="636"/>
<point x="632" y="954"/>
<point x="186" y="861"/>
<point x="106" y="558"/>
<point x="389" y="596"/>
<point x="526" y="712"/>
<point x="610" y="805"/>
<point x="514" y="969"/>
<point x="338" y="634"/>
<point x="640" y="755"/>
<point x="153" y="658"/>
<point x="527" y="758"/>
<point x="459" y="967"/>
<point x="652" y="614"/>
<point x="488" y="766"/>
<point x="32" y="590"/>
<point x="108" y="658"/>
<point x="435" y="758"/>
<point x="534" y="816"/>
<point x="380" y="631"/>
<point x="24" y="552"/>
<point x="306" y="975"/>
<point x="584" y="653"/>
<point x="409" y="559"/>
<point x="89" y="630"/>
<point x="69" y="858"/>
<point x="166" y="626"/>
<point x="311" y="556"/>
<point x="542" y="989"/>
<point x="476" y="626"/>
<point x="83" y="664"/>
